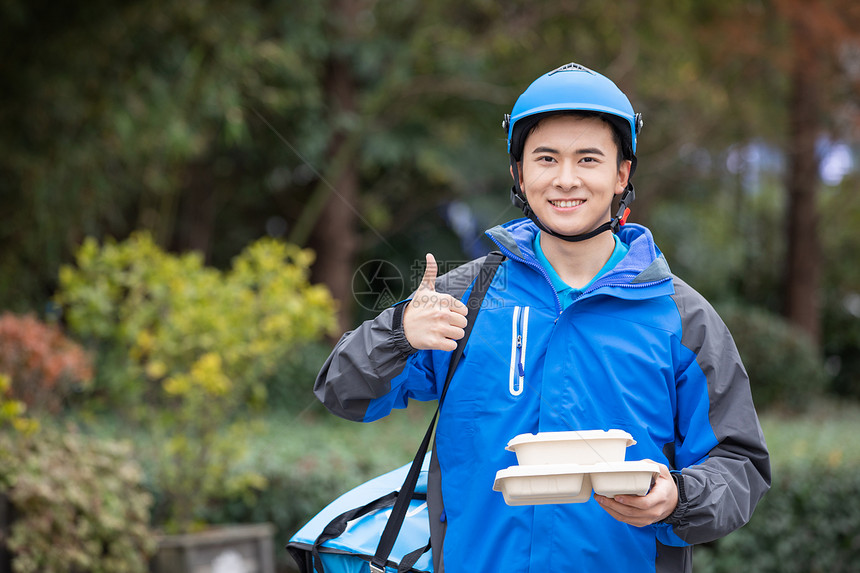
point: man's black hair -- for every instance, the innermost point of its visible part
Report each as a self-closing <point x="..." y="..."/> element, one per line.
<point x="526" y="126"/>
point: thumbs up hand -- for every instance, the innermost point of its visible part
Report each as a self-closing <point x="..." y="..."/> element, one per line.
<point x="431" y="320"/>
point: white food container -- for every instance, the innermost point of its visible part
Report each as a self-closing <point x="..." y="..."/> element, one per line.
<point x="625" y="478"/>
<point x="573" y="483"/>
<point x="537" y="485"/>
<point x="572" y="447"/>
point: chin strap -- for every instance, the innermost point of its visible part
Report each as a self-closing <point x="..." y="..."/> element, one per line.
<point x="614" y="224"/>
<point x="627" y="197"/>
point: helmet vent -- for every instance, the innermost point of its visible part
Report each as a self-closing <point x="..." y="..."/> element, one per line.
<point x="572" y="66"/>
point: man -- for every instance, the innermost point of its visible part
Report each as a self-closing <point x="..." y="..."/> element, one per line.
<point x="583" y="328"/>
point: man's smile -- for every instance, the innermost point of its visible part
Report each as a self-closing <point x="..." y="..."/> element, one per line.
<point x="566" y="203"/>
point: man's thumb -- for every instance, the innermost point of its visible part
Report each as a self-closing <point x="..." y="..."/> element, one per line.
<point x="428" y="281"/>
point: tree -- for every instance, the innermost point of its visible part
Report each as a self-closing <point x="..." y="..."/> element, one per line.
<point x="818" y="31"/>
<point x="779" y="65"/>
<point x="135" y="116"/>
<point x="348" y="125"/>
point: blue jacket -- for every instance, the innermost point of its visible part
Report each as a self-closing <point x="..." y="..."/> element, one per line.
<point x="639" y="350"/>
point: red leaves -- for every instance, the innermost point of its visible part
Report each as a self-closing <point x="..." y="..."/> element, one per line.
<point x="43" y="364"/>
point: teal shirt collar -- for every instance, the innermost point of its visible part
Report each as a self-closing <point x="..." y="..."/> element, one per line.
<point x="566" y="293"/>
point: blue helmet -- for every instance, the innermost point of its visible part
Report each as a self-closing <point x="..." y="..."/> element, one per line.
<point x="573" y="88"/>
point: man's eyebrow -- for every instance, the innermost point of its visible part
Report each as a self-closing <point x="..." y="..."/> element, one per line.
<point x="543" y="149"/>
<point x="583" y="151"/>
<point x="589" y="151"/>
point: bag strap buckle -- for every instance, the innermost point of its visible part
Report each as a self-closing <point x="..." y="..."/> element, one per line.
<point x="374" y="568"/>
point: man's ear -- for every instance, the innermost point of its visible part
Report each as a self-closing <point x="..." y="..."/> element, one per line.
<point x="519" y="174"/>
<point x="623" y="176"/>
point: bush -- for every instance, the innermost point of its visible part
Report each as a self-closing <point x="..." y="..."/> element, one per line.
<point x="43" y="365"/>
<point x="199" y="345"/>
<point x="289" y="389"/>
<point x="153" y="314"/>
<point x="308" y="460"/>
<point x="77" y="503"/>
<point x="13" y="413"/>
<point x="841" y="333"/>
<point x="808" y="522"/>
<point x="784" y="367"/>
<point x="810" y="518"/>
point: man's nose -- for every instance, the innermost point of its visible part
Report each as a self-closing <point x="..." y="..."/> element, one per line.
<point x="567" y="175"/>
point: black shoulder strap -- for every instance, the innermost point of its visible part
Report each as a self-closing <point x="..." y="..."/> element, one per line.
<point x="398" y="513"/>
<point x="337" y="526"/>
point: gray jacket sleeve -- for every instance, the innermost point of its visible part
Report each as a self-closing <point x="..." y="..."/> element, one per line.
<point x="719" y="494"/>
<point x="362" y="365"/>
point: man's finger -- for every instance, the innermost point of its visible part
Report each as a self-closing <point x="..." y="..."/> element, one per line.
<point x="458" y="307"/>
<point x="458" y="320"/>
<point x="428" y="281"/>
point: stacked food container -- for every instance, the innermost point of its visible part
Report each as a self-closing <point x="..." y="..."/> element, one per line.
<point x="564" y="467"/>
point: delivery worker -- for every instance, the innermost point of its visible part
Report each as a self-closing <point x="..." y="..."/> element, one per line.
<point x="584" y="327"/>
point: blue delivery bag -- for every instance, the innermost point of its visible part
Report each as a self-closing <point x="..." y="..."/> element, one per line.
<point x="343" y="537"/>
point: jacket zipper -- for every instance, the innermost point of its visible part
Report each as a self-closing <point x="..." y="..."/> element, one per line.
<point x="519" y="340"/>
<point x="538" y="268"/>
<point x="614" y="282"/>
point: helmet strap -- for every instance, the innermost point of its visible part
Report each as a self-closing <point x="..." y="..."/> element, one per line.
<point x="519" y="200"/>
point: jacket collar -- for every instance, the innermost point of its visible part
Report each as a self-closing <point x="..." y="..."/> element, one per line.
<point x="643" y="264"/>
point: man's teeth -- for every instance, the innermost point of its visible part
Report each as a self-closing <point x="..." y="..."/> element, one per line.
<point x="573" y="203"/>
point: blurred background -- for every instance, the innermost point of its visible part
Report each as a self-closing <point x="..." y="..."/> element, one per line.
<point x="198" y="197"/>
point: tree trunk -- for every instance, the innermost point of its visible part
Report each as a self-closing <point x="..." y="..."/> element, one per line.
<point x="335" y="237"/>
<point x="803" y="263"/>
<point x="197" y="210"/>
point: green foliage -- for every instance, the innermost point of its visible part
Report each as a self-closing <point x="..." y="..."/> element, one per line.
<point x="43" y="365"/>
<point x="305" y="460"/>
<point x="197" y="342"/>
<point x="202" y="120"/>
<point x="166" y="313"/>
<point x="78" y="504"/>
<point x="126" y="103"/>
<point x="840" y="209"/>
<point x="198" y="443"/>
<point x="810" y="518"/>
<point x="785" y="369"/>
<point x="808" y="522"/>
<point x="288" y="389"/>
<point x="13" y="413"/>
<point x="719" y="238"/>
<point x="311" y="458"/>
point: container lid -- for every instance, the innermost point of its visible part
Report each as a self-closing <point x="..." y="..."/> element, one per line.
<point x="568" y="469"/>
<point x="571" y="436"/>
<point x="624" y="467"/>
<point x="540" y="470"/>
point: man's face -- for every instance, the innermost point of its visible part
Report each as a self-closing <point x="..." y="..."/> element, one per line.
<point x="570" y="173"/>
